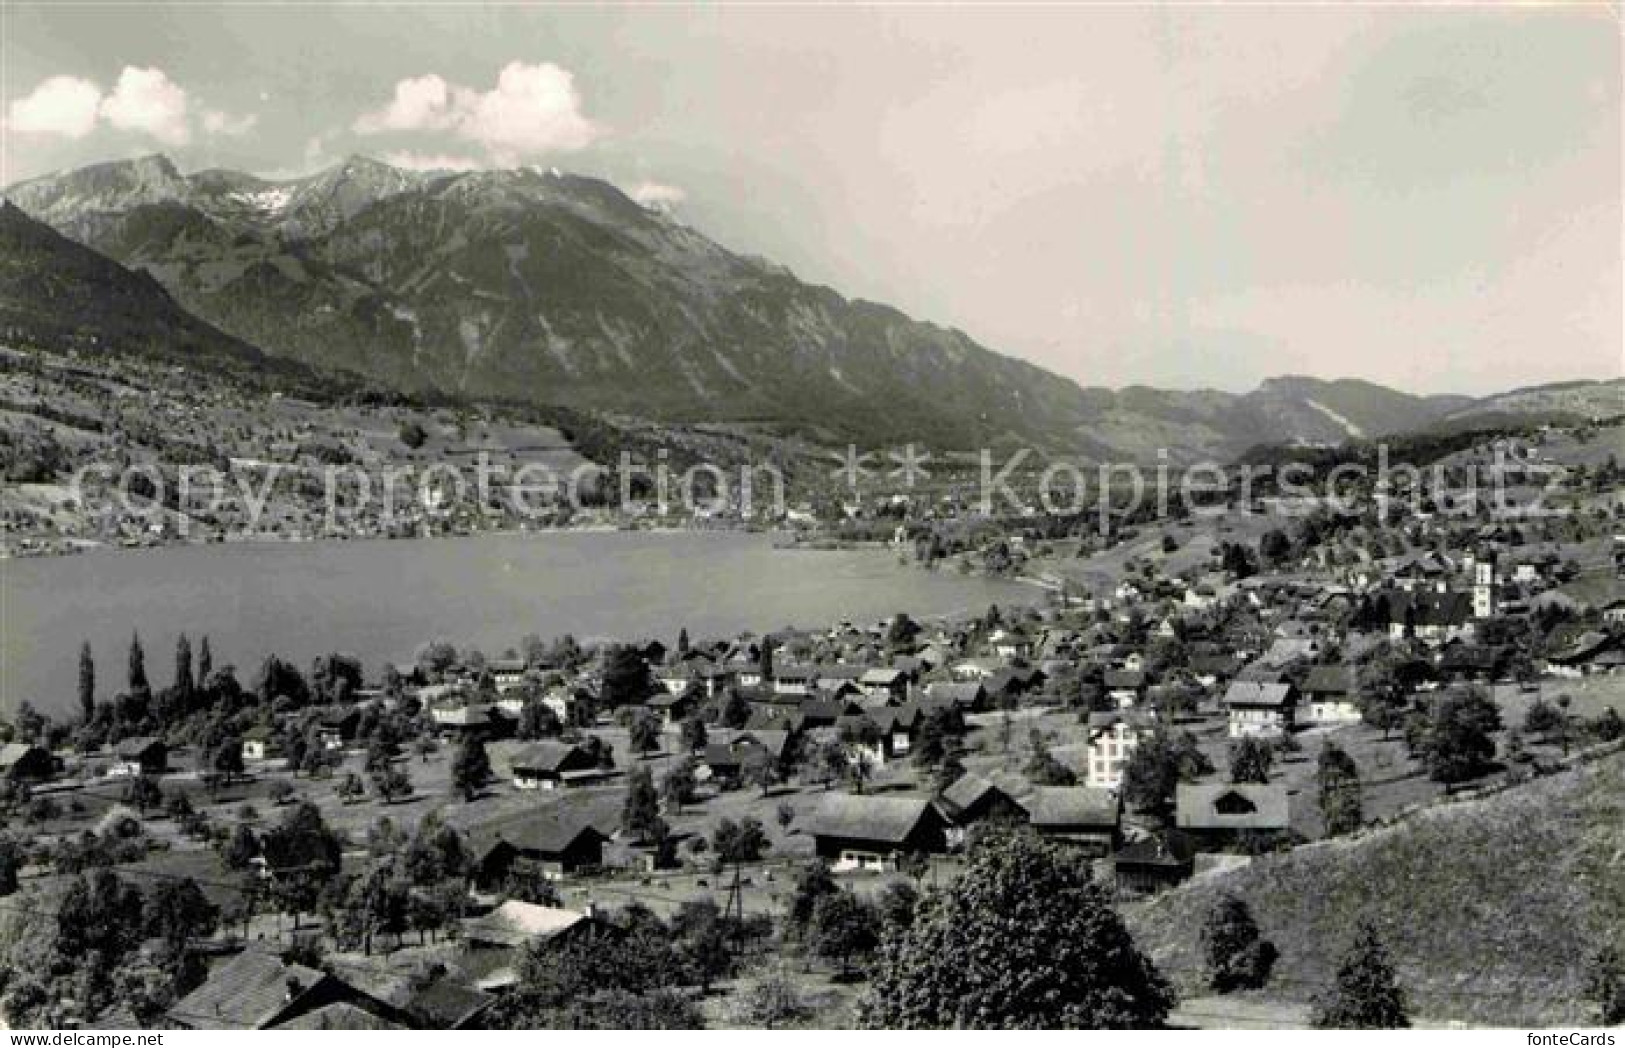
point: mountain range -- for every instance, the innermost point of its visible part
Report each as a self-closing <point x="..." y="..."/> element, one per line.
<point x="555" y="288"/>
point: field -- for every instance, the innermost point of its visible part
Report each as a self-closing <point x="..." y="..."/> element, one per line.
<point x="1489" y="906"/>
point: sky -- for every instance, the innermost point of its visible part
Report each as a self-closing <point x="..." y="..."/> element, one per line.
<point x="1181" y="196"/>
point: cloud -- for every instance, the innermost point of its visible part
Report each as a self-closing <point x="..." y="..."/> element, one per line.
<point x="431" y="161"/>
<point x="147" y="101"/>
<point x="658" y="196"/>
<point x="533" y="110"/>
<point x="217" y="122"/>
<point x="61" y="105"/>
<point x="143" y="101"/>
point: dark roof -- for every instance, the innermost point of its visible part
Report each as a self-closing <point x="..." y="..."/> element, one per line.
<point x="137" y="745"/>
<point x="1197" y="806"/>
<point x="1118" y="679"/>
<point x="1330" y="680"/>
<point x="340" y="1015"/>
<point x="1257" y="693"/>
<point x="547" y="757"/>
<point x="967" y="791"/>
<point x="890" y="820"/>
<point x="547" y="833"/>
<point x="446" y="1003"/>
<point x="245" y="993"/>
<point x="1064" y="807"/>
<point x="1169" y="848"/>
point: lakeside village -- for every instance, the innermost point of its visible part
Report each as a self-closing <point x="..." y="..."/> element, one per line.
<point x="94" y="449"/>
<point x="768" y="829"/>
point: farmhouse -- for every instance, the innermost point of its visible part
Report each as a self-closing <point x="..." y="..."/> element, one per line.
<point x="1077" y="814"/>
<point x="257" y="990"/>
<point x="1330" y="695"/>
<point x="1152" y="863"/>
<point x="545" y="765"/>
<point x="863" y="832"/>
<point x="140" y="755"/>
<point x="1216" y="814"/>
<point x="1258" y="708"/>
<point x="21" y="762"/>
<point x="554" y="846"/>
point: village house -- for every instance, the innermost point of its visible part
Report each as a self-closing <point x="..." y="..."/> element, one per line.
<point x="971" y="800"/>
<point x="257" y="743"/>
<point x="140" y="755"/>
<point x="507" y="674"/>
<point x="1125" y="688"/>
<point x="794" y="680"/>
<point x="1113" y="738"/>
<point x="867" y="832"/>
<point x="671" y="707"/>
<point x="1218" y="814"/>
<point x="1330" y="696"/>
<point x="747" y="757"/>
<point x="1260" y="708"/>
<point x="24" y="762"/>
<point x="256" y="990"/>
<point x="493" y="944"/>
<point x="968" y="696"/>
<point x="336" y="727"/>
<point x="884" y="683"/>
<point x="555" y="846"/>
<point x="548" y="765"/>
<point x="1430" y="616"/>
<point x="1080" y="815"/>
<point x="1153" y="863"/>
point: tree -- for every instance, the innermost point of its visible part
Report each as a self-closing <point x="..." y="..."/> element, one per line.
<point x="640" y="813"/>
<point x="1542" y="719"/>
<point x="694" y="735"/>
<point x="1250" y="761"/>
<point x="1022" y="939"/>
<point x="350" y="788"/>
<point x="703" y="943"/>
<point x="302" y="855"/>
<point x="391" y="783"/>
<point x="812" y="884"/>
<point x="843" y="927"/>
<point x="241" y="848"/>
<point x="626" y="676"/>
<point x="138" y="665"/>
<point x="1157" y="765"/>
<point x="604" y="981"/>
<point x="142" y="793"/>
<point x="1339" y="781"/>
<point x="735" y="710"/>
<point x="677" y="786"/>
<point x="739" y="842"/>
<point x="178" y="912"/>
<point x="1456" y="744"/>
<point x="11" y="864"/>
<point x="87" y="683"/>
<point x="1365" y="994"/>
<point x="1236" y="956"/>
<point x="228" y="758"/>
<point x="185" y="684"/>
<point x="537" y="720"/>
<point x="1044" y="770"/>
<point x="1605" y="985"/>
<point x="471" y="768"/>
<point x="897" y="904"/>
<point x="644" y="734"/>
<point x="205" y="662"/>
<point x="412" y="434"/>
<point x="1275" y="547"/>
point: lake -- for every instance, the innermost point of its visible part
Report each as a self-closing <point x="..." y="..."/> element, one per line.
<point x="382" y="599"/>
